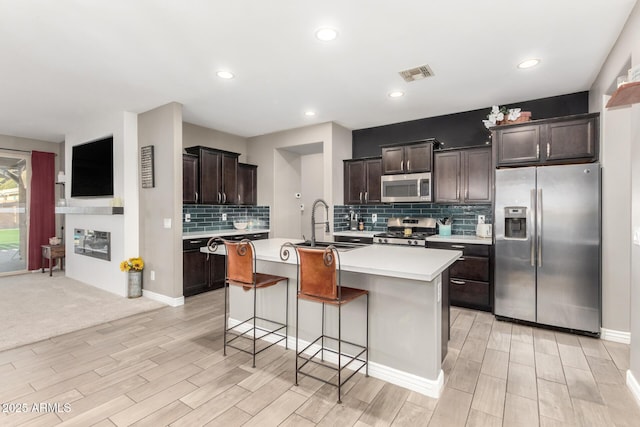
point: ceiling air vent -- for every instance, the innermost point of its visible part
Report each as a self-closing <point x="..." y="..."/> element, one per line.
<point x="417" y="73"/>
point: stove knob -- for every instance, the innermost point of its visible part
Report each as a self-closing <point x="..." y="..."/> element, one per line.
<point x="409" y="242"/>
<point x="386" y="241"/>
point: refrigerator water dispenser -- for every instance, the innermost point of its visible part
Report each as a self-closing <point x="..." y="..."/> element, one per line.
<point x="515" y="222"/>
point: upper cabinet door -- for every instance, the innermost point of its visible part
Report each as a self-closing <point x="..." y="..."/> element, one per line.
<point x="210" y="177"/>
<point x="446" y="180"/>
<point x="229" y="188"/>
<point x="247" y="182"/>
<point x="518" y="145"/>
<point x="373" y="172"/>
<point x="418" y="158"/>
<point x="393" y="160"/>
<point x="575" y="139"/>
<point x="189" y="179"/>
<point x="478" y="175"/>
<point x="354" y="184"/>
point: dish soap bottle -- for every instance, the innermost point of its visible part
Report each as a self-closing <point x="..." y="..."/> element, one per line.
<point x="361" y="225"/>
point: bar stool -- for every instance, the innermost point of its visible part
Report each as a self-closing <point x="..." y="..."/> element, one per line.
<point x="241" y="271"/>
<point x="319" y="281"/>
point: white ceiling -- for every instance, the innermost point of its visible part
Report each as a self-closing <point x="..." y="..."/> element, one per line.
<point x="64" y="61"/>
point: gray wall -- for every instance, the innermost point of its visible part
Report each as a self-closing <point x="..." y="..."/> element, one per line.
<point x="162" y="247"/>
<point x="193" y="135"/>
<point x="626" y="51"/>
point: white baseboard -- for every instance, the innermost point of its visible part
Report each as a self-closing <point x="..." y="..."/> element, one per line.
<point x="633" y="385"/>
<point x="431" y="388"/>
<point x="173" y="302"/>
<point x="615" y="336"/>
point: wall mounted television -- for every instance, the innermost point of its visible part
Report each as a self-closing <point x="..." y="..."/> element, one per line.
<point x="92" y="169"/>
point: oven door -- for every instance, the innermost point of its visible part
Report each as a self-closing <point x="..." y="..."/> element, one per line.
<point x="406" y="188"/>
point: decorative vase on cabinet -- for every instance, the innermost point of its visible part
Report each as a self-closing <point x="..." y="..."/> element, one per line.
<point x="134" y="284"/>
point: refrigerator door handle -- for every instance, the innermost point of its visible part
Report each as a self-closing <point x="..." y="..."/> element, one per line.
<point x="532" y="245"/>
<point x="539" y="226"/>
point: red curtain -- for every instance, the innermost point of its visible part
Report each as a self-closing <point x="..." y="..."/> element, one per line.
<point x="42" y="221"/>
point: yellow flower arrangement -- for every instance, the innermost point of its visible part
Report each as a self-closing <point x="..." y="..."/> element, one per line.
<point x="135" y="264"/>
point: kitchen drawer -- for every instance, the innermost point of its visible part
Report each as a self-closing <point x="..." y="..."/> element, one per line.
<point x="194" y="244"/>
<point x="466" y="248"/>
<point x="354" y="239"/>
<point x="471" y="268"/>
<point x="469" y="293"/>
<point x="250" y="236"/>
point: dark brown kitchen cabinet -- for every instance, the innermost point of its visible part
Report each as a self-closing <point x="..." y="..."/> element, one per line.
<point x="189" y="179"/>
<point x="205" y="272"/>
<point x="247" y="184"/>
<point x="218" y="175"/>
<point x="463" y="176"/>
<point x="572" y="139"/>
<point x="410" y="158"/>
<point x="471" y="276"/>
<point x="196" y="270"/>
<point x="362" y="181"/>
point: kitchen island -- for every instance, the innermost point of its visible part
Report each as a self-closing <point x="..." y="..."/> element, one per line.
<point x="405" y="307"/>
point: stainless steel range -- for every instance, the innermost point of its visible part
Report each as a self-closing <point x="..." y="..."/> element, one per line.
<point x="407" y="231"/>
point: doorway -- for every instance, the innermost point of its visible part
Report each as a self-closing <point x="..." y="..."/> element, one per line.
<point x="14" y="179"/>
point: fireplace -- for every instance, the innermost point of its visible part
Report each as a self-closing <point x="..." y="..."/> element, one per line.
<point x="96" y="244"/>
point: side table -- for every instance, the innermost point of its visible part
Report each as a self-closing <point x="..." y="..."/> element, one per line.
<point x="52" y="253"/>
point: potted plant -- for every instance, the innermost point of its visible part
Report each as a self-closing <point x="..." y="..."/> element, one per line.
<point x="503" y="116"/>
<point x="133" y="267"/>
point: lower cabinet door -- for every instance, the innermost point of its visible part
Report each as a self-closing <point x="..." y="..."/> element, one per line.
<point x="469" y="293"/>
<point x="194" y="273"/>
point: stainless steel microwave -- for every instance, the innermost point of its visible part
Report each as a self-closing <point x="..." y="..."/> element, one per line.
<point x="413" y="187"/>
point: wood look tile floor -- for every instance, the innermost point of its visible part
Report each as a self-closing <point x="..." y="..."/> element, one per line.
<point x="166" y="368"/>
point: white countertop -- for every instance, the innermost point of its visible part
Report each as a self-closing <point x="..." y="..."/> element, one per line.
<point x="384" y="260"/>
<point x="459" y="238"/>
<point x="218" y="233"/>
<point x="356" y="233"/>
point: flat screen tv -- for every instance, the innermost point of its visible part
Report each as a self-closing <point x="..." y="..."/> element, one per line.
<point x="92" y="169"/>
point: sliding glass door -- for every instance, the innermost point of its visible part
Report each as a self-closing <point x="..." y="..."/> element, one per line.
<point x="14" y="179"/>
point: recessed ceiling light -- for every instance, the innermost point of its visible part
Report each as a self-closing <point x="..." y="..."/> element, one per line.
<point x="529" y="63"/>
<point x="396" y="94"/>
<point x="309" y="113"/>
<point x="326" y="34"/>
<point x="225" y="74"/>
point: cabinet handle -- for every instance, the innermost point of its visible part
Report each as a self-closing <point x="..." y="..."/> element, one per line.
<point x="466" y="194"/>
<point x="195" y="241"/>
<point x="224" y="197"/>
<point x="408" y="165"/>
<point x="354" y="240"/>
<point x="538" y="151"/>
<point x="366" y="197"/>
<point x="461" y="258"/>
<point x="361" y="197"/>
<point x="548" y="149"/>
<point x="401" y="164"/>
<point x="219" y="197"/>
<point x="458" y="246"/>
<point x="239" y="199"/>
<point x="458" y="282"/>
<point x="196" y="197"/>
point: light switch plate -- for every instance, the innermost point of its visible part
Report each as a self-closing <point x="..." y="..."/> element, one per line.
<point x="187" y="217"/>
<point x="480" y="219"/>
<point x="374" y="217"/>
<point x="224" y="216"/>
<point x="167" y="222"/>
<point x="636" y="236"/>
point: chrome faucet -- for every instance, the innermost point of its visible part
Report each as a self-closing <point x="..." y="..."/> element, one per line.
<point x="313" y="219"/>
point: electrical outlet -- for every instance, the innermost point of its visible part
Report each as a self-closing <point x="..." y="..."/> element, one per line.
<point x="187" y="217"/>
<point x="636" y="236"/>
<point x="480" y="219"/>
<point x="374" y="217"/>
<point x="224" y="216"/>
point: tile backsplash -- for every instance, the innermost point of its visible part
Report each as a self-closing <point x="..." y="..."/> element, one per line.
<point x="209" y="217"/>
<point x="464" y="216"/>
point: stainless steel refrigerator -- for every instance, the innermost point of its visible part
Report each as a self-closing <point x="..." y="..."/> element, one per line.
<point x="547" y="247"/>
